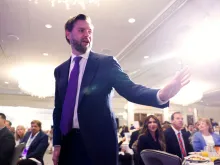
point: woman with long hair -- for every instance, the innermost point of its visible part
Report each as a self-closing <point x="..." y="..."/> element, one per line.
<point x="151" y="136"/>
<point x="19" y="134"/>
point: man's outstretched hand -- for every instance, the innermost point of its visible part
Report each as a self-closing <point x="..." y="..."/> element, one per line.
<point x="173" y="87"/>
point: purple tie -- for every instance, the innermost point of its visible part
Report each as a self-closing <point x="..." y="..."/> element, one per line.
<point x="66" y="123"/>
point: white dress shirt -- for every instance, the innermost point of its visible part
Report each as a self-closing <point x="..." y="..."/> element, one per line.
<point x="181" y="136"/>
<point x="209" y="140"/>
<point x="82" y="66"/>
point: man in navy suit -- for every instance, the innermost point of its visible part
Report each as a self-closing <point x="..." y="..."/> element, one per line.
<point x="85" y="131"/>
<point x="180" y="139"/>
<point x="36" y="143"/>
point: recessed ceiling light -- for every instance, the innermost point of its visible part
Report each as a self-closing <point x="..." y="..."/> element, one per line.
<point x="12" y="36"/>
<point x="48" y="26"/>
<point x="145" y="57"/>
<point x="45" y="54"/>
<point x="131" y="20"/>
<point x="6" y="82"/>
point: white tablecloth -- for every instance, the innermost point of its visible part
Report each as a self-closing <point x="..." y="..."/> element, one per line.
<point x="207" y="163"/>
<point x="126" y="147"/>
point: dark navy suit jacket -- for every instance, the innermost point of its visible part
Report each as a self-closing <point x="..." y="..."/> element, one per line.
<point x="96" y="119"/>
<point x="37" y="147"/>
<point x="172" y="143"/>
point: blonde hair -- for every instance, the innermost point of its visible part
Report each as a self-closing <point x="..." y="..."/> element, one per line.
<point x="208" y="122"/>
<point x="17" y="137"/>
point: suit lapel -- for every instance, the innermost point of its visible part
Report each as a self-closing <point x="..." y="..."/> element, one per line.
<point x="176" y="141"/>
<point x="89" y="73"/>
<point x="65" y="75"/>
<point x="185" y="141"/>
<point x="35" y="140"/>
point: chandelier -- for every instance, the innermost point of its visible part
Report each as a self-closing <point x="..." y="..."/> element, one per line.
<point x="35" y="80"/>
<point x="69" y="3"/>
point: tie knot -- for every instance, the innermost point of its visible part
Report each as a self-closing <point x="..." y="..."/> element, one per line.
<point x="77" y="59"/>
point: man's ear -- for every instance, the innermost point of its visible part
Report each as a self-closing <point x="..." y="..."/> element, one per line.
<point x="68" y="34"/>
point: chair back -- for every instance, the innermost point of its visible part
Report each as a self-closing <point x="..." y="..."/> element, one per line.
<point x="155" y="157"/>
<point x="17" y="152"/>
<point x="217" y="162"/>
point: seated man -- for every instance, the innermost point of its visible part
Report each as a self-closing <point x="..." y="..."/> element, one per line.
<point x="177" y="141"/>
<point x="7" y="142"/>
<point x="36" y="144"/>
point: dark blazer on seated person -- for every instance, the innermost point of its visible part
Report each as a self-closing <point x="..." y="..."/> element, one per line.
<point x="7" y="145"/>
<point x="37" y="147"/>
<point x="199" y="142"/>
<point x="172" y="143"/>
<point x="134" y="137"/>
<point x="147" y="142"/>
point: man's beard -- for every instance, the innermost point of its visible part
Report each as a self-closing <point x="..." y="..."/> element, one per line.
<point x="77" y="45"/>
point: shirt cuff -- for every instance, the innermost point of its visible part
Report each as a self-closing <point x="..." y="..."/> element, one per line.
<point x="160" y="102"/>
<point x="57" y="146"/>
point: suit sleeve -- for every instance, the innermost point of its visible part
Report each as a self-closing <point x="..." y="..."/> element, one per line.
<point x="41" y="148"/>
<point x="197" y="145"/>
<point x="8" y="145"/>
<point x="57" y="113"/>
<point x="133" y="92"/>
<point x="167" y="142"/>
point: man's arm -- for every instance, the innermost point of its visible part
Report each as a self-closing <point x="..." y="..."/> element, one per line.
<point x="133" y="92"/>
<point x="7" y="150"/>
<point x="57" y="114"/>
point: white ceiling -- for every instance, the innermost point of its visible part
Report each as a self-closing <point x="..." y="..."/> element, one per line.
<point x="159" y="31"/>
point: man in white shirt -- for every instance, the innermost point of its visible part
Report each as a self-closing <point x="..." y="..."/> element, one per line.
<point x="85" y="129"/>
<point x="177" y="141"/>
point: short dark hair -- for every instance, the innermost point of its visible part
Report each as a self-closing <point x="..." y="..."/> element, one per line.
<point x="9" y="122"/>
<point x="71" y="22"/>
<point x="3" y="116"/>
<point x="172" y="116"/>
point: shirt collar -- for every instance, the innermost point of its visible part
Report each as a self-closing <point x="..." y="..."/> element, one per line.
<point x="85" y="55"/>
<point x="175" y="130"/>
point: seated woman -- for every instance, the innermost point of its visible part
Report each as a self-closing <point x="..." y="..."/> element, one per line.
<point x="204" y="136"/>
<point x="19" y="134"/>
<point x="151" y="136"/>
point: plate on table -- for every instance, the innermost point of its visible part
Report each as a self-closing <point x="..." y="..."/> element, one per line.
<point x="196" y="159"/>
<point x="194" y="153"/>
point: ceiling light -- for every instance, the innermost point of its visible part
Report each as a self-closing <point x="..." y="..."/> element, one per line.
<point x="11" y="36"/>
<point x="191" y="93"/>
<point x="145" y="57"/>
<point x="131" y="20"/>
<point x="35" y="80"/>
<point x="48" y="26"/>
<point x="45" y="54"/>
<point x="69" y="3"/>
<point x="6" y="82"/>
